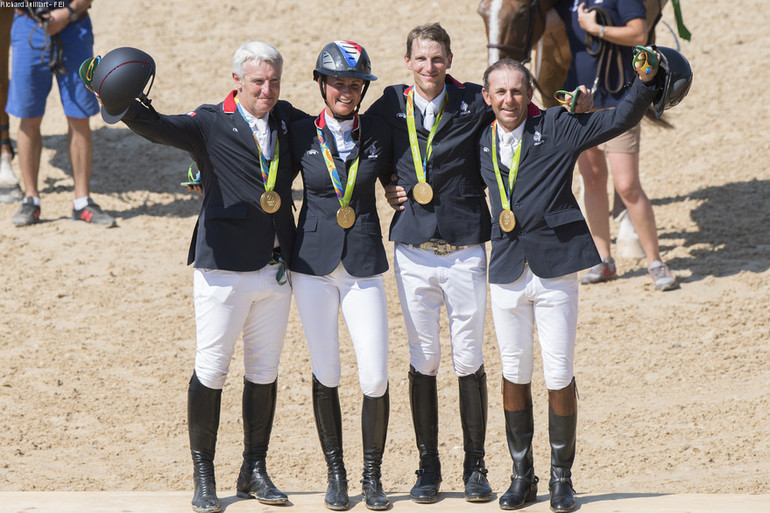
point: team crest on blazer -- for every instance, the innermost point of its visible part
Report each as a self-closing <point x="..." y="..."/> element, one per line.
<point x="312" y="152"/>
<point x="485" y="149"/>
<point x="538" y="138"/>
<point x="464" y="108"/>
<point x="372" y="151"/>
<point x="283" y="127"/>
<point x="401" y="115"/>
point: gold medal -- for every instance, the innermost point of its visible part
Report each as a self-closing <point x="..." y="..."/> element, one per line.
<point x="507" y="220"/>
<point x="423" y="193"/>
<point x="270" y="202"/>
<point x="346" y="216"/>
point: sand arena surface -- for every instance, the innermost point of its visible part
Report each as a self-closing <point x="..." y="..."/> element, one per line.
<point x="97" y="330"/>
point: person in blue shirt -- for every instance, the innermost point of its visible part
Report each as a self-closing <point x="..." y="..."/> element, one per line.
<point x="602" y="34"/>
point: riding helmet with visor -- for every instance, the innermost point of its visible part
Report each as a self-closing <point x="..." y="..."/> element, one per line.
<point x="677" y="80"/>
<point x="119" y="77"/>
<point x="343" y="59"/>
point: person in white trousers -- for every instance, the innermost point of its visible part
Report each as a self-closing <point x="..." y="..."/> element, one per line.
<point x="339" y="259"/>
<point x="242" y="243"/>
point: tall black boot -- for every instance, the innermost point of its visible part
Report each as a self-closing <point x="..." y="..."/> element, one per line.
<point x="374" y="429"/>
<point x="423" y="398"/>
<point x="562" y="430"/>
<point x="328" y="421"/>
<point x="258" y="413"/>
<point x="473" y="416"/>
<point x="203" y="407"/>
<point x="519" y="430"/>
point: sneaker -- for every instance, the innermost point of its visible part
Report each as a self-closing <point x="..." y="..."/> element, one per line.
<point x="603" y="271"/>
<point x="92" y="213"/>
<point x="28" y="214"/>
<point x="661" y="276"/>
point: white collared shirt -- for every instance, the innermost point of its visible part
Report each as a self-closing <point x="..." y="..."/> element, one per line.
<point x="422" y="104"/>
<point x="343" y="135"/>
<point x="507" y="142"/>
<point x="261" y="131"/>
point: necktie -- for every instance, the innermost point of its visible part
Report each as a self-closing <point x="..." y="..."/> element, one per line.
<point x="506" y="148"/>
<point x="430" y="117"/>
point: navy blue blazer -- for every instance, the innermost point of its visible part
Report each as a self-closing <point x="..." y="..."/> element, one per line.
<point x="233" y="233"/>
<point x="322" y="243"/>
<point x="458" y="212"/>
<point x="551" y="234"/>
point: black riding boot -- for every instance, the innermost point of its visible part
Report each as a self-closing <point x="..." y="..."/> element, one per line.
<point x="473" y="416"/>
<point x="258" y="413"/>
<point x="203" y="407"/>
<point x="519" y="430"/>
<point x="374" y="429"/>
<point x="423" y="398"/>
<point x="328" y="421"/>
<point x="562" y="431"/>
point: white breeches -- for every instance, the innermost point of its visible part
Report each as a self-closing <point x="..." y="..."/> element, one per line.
<point x="427" y="281"/>
<point x="363" y="304"/>
<point x="552" y="305"/>
<point x="228" y="304"/>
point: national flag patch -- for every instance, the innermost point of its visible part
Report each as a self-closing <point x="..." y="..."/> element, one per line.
<point x="351" y="51"/>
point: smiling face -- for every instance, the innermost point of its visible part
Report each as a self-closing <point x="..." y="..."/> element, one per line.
<point x="343" y="94"/>
<point x="259" y="88"/>
<point x="509" y="96"/>
<point x="429" y="61"/>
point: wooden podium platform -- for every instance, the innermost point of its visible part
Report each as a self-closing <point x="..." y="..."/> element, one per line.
<point x="301" y="502"/>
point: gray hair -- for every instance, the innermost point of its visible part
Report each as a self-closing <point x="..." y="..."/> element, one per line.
<point x="256" y="51"/>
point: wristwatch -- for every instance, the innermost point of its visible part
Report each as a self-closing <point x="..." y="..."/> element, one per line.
<point x="74" y="16"/>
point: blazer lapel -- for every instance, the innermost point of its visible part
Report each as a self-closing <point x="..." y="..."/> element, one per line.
<point x="454" y="99"/>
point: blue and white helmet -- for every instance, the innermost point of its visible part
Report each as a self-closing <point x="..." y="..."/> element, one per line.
<point x="344" y="59"/>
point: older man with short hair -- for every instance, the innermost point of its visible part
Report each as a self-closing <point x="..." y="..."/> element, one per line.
<point x="242" y="240"/>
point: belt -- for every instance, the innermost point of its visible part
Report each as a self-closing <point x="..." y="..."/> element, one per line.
<point x="439" y="247"/>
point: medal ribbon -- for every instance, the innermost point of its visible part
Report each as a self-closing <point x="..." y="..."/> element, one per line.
<point x="343" y="198"/>
<point x="419" y="164"/>
<point x="505" y="198"/>
<point x="269" y="173"/>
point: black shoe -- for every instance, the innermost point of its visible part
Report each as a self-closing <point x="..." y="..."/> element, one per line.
<point x="258" y="413"/>
<point x="205" y="496"/>
<point x="337" y="493"/>
<point x="375" y="412"/>
<point x="473" y="417"/>
<point x="477" y="487"/>
<point x="374" y="496"/>
<point x="562" y="436"/>
<point x="423" y="400"/>
<point x="521" y="492"/>
<point x="425" y="490"/>
<point x="92" y="214"/>
<point x="28" y="213"/>
<point x="519" y="429"/>
<point x="328" y="420"/>
<point x="562" y="495"/>
<point x="253" y="481"/>
<point x="203" y="409"/>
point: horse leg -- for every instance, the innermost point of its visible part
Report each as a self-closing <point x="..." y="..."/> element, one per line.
<point x="553" y="58"/>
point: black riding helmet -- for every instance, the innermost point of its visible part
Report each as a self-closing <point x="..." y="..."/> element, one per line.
<point x="343" y="59"/>
<point x="120" y="76"/>
<point x="677" y="80"/>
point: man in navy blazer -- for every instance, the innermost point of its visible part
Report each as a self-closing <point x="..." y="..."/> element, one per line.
<point x="539" y="242"/>
<point x="440" y="229"/>
<point x="245" y="231"/>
